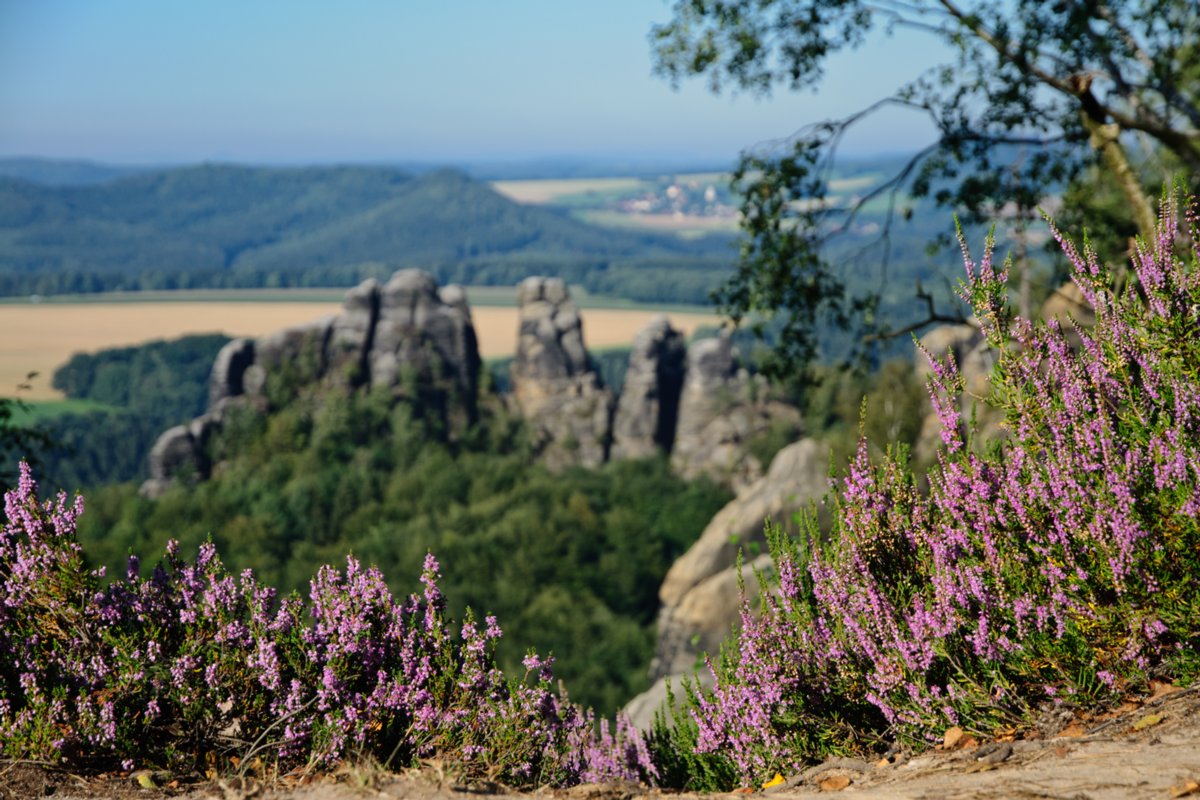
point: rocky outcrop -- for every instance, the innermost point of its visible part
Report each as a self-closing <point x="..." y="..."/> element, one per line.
<point x="703" y="617"/>
<point x="641" y="710"/>
<point x="175" y="456"/>
<point x="648" y="409"/>
<point x="799" y="475"/>
<point x="229" y="370"/>
<point x="698" y="605"/>
<point x="722" y="409"/>
<point x="424" y="348"/>
<point x="700" y="599"/>
<point x="1067" y="306"/>
<point x="409" y="337"/>
<point x="418" y="341"/>
<point x="701" y="604"/>
<point x="554" y="383"/>
<point x="287" y="360"/>
<point x="352" y="335"/>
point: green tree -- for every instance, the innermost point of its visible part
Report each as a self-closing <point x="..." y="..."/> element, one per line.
<point x="19" y="441"/>
<point x="1036" y="93"/>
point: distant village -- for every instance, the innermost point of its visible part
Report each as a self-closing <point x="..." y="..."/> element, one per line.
<point x="683" y="198"/>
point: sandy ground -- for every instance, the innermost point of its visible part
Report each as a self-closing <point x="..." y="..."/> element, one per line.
<point x="40" y="338"/>
<point x="1145" y="749"/>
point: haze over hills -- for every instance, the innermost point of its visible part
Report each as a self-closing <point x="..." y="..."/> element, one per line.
<point x="64" y="172"/>
<point x="80" y="171"/>
<point x="238" y="226"/>
<point x="81" y="227"/>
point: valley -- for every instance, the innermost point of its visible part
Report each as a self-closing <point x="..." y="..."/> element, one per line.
<point x="41" y="337"/>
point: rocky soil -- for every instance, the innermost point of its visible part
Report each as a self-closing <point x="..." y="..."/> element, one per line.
<point x="1145" y="749"/>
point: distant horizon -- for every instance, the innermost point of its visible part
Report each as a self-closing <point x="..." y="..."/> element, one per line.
<point x="584" y="163"/>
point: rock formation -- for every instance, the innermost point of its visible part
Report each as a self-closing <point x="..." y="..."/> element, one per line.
<point x="700" y="601"/>
<point x="1068" y="307"/>
<point x="648" y="408"/>
<point x="408" y="336"/>
<point x="175" y="456"/>
<point x="424" y="347"/>
<point x="797" y="477"/>
<point x="418" y="341"/>
<point x="554" y="383"/>
<point x="229" y="369"/>
<point x="353" y="334"/>
<point x="722" y="409"/>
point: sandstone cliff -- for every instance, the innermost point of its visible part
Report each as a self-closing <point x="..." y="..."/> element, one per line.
<point x="721" y="410"/>
<point x="409" y="337"/>
<point x="700" y="601"/>
<point x="648" y="409"/>
<point x="554" y="382"/>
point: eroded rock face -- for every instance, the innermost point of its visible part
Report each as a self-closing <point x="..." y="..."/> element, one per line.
<point x="699" y="593"/>
<point x="425" y="349"/>
<point x="408" y="336"/>
<point x="554" y="383"/>
<point x="229" y="369"/>
<point x="353" y="334"/>
<point x="721" y="411"/>
<point x="289" y="359"/>
<point x="648" y="409"/>
<point x="702" y="619"/>
<point x="1067" y="306"/>
<point x="799" y="474"/>
<point x="641" y="710"/>
<point x="176" y="455"/>
<point x="709" y="613"/>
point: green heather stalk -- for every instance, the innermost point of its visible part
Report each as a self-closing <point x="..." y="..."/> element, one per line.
<point x="1058" y="567"/>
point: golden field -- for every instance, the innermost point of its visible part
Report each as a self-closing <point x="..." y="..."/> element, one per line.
<point x="539" y="191"/>
<point x="40" y="338"/>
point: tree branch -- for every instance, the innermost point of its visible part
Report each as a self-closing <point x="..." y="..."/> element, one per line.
<point x="933" y="316"/>
<point x="1186" y="145"/>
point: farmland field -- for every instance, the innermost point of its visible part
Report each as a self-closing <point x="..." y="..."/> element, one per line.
<point x="548" y="190"/>
<point x="633" y="203"/>
<point x="41" y="337"/>
<point x="682" y="224"/>
<point x="40" y="411"/>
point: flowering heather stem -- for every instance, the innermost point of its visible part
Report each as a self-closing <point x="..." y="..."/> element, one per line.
<point x="1057" y="568"/>
<point x="193" y="661"/>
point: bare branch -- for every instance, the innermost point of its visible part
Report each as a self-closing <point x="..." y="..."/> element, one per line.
<point x="932" y="317"/>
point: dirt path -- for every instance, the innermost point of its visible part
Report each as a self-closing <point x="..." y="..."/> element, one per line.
<point x="1146" y="750"/>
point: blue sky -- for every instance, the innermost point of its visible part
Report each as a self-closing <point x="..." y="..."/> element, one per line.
<point x="451" y="81"/>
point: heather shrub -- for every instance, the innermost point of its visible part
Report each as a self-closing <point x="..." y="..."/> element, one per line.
<point x="193" y="668"/>
<point x="1057" y="566"/>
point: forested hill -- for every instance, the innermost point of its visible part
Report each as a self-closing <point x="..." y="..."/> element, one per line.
<point x="236" y="226"/>
<point x="64" y="171"/>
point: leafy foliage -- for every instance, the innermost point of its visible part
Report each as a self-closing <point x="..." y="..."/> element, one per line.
<point x="218" y="226"/>
<point x="1035" y="94"/>
<point x="572" y="562"/>
<point x="17" y="438"/>
<point x="142" y="390"/>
